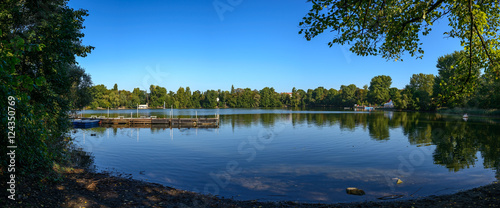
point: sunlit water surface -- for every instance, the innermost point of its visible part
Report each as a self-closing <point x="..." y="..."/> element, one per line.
<point x="307" y="156"/>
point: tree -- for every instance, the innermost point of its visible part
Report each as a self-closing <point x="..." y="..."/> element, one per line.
<point x="309" y="97"/>
<point x="453" y="71"/>
<point x="181" y="97"/>
<point x="115" y="87"/>
<point x="124" y="97"/>
<point x="38" y="43"/>
<point x="319" y="95"/>
<point x="158" y="95"/>
<point x="224" y="96"/>
<point x="114" y="99"/>
<point x="285" y="99"/>
<point x="80" y="91"/>
<point x="188" y="98"/>
<point x="393" y="93"/>
<point x="421" y="88"/>
<point x="391" y="28"/>
<point x="379" y="89"/>
<point x="348" y="94"/>
<point x="100" y="96"/>
<point x="269" y="98"/>
<point x="210" y="100"/>
<point x="487" y="95"/>
<point x="362" y="95"/>
<point x="332" y="97"/>
<point x="141" y="96"/>
<point x="195" y="99"/>
<point x="295" y="100"/>
<point x="301" y="94"/>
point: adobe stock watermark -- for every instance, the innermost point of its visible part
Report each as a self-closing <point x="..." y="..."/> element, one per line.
<point x="11" y="146"/>
<point x="153" y="77"/>
<point x="248" y="147"/>
<point x="223" y="6"/>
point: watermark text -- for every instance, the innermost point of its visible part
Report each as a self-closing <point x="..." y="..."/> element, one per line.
<point x="11" y="154"/>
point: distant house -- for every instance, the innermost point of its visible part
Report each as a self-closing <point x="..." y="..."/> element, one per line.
<point x="143" y="106"/>
<point x="288" y="93"/>
<point x="389" y="104"/>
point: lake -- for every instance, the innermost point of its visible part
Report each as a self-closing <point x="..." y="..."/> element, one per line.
<point x="306" y="156"/>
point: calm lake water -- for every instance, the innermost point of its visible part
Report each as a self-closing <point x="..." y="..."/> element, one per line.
<point x="307" y="156"/>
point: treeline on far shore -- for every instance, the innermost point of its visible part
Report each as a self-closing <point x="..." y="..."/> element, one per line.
<point x="424" y="92"/>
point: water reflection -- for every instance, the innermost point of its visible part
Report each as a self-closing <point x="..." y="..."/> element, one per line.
<point x="457" y="142"/>
<point x="317" y="156"/>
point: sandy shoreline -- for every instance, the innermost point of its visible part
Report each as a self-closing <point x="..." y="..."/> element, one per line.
<point x="82" y="188"/>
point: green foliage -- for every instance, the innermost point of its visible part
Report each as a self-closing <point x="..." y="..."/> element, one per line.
<point x="393" y="28"/>
<point x="81" y="83"/>
<point x="394" y="93"/>
<point x="379" y="89"/>
<point x="240" y="98"/>
<point x="158" y="96"/>
<point x="348" y="94"/>
<point x="195" y="99"/>
<point x="400" y="100"/>
<point x="269" y="98"/>
<point x="486" y="96"/>
<point x="38" y="44"/>
<point x="421" y="86"/>
<point x="209" y="99"/>
<point x="453" y="71"/>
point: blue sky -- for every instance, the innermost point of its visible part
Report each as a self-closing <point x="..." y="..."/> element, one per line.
<point x="252" y="44"/>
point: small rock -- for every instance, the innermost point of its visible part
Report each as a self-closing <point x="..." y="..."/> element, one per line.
<point x="355" y="191"/>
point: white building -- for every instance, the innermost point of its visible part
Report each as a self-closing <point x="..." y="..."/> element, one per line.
<point x="143" y="106"/>
<point x="389" y="104"/>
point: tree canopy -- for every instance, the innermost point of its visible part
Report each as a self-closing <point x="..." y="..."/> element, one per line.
<point x="379" y="89"/>
<point x="391" y="28"/>
<point x="38" y="44"/>
<point x="452" y="73"/>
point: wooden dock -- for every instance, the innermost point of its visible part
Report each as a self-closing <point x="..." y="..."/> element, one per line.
<point x="163" y="122"/>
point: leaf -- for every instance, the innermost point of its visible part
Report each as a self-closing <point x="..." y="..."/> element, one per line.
<point x="40" y="81"/>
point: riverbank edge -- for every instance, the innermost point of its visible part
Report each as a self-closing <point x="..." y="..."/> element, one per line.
<point x="80" y="187"/>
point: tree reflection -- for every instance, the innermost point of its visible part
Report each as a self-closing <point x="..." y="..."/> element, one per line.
<point x="456" y="148"/>
<point x="378" y="125"/>
<point x="456" y="142"/>
<point x="489" y="146"/>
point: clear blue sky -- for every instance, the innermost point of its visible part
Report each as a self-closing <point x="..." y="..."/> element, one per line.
<point x="255" y="43"/>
